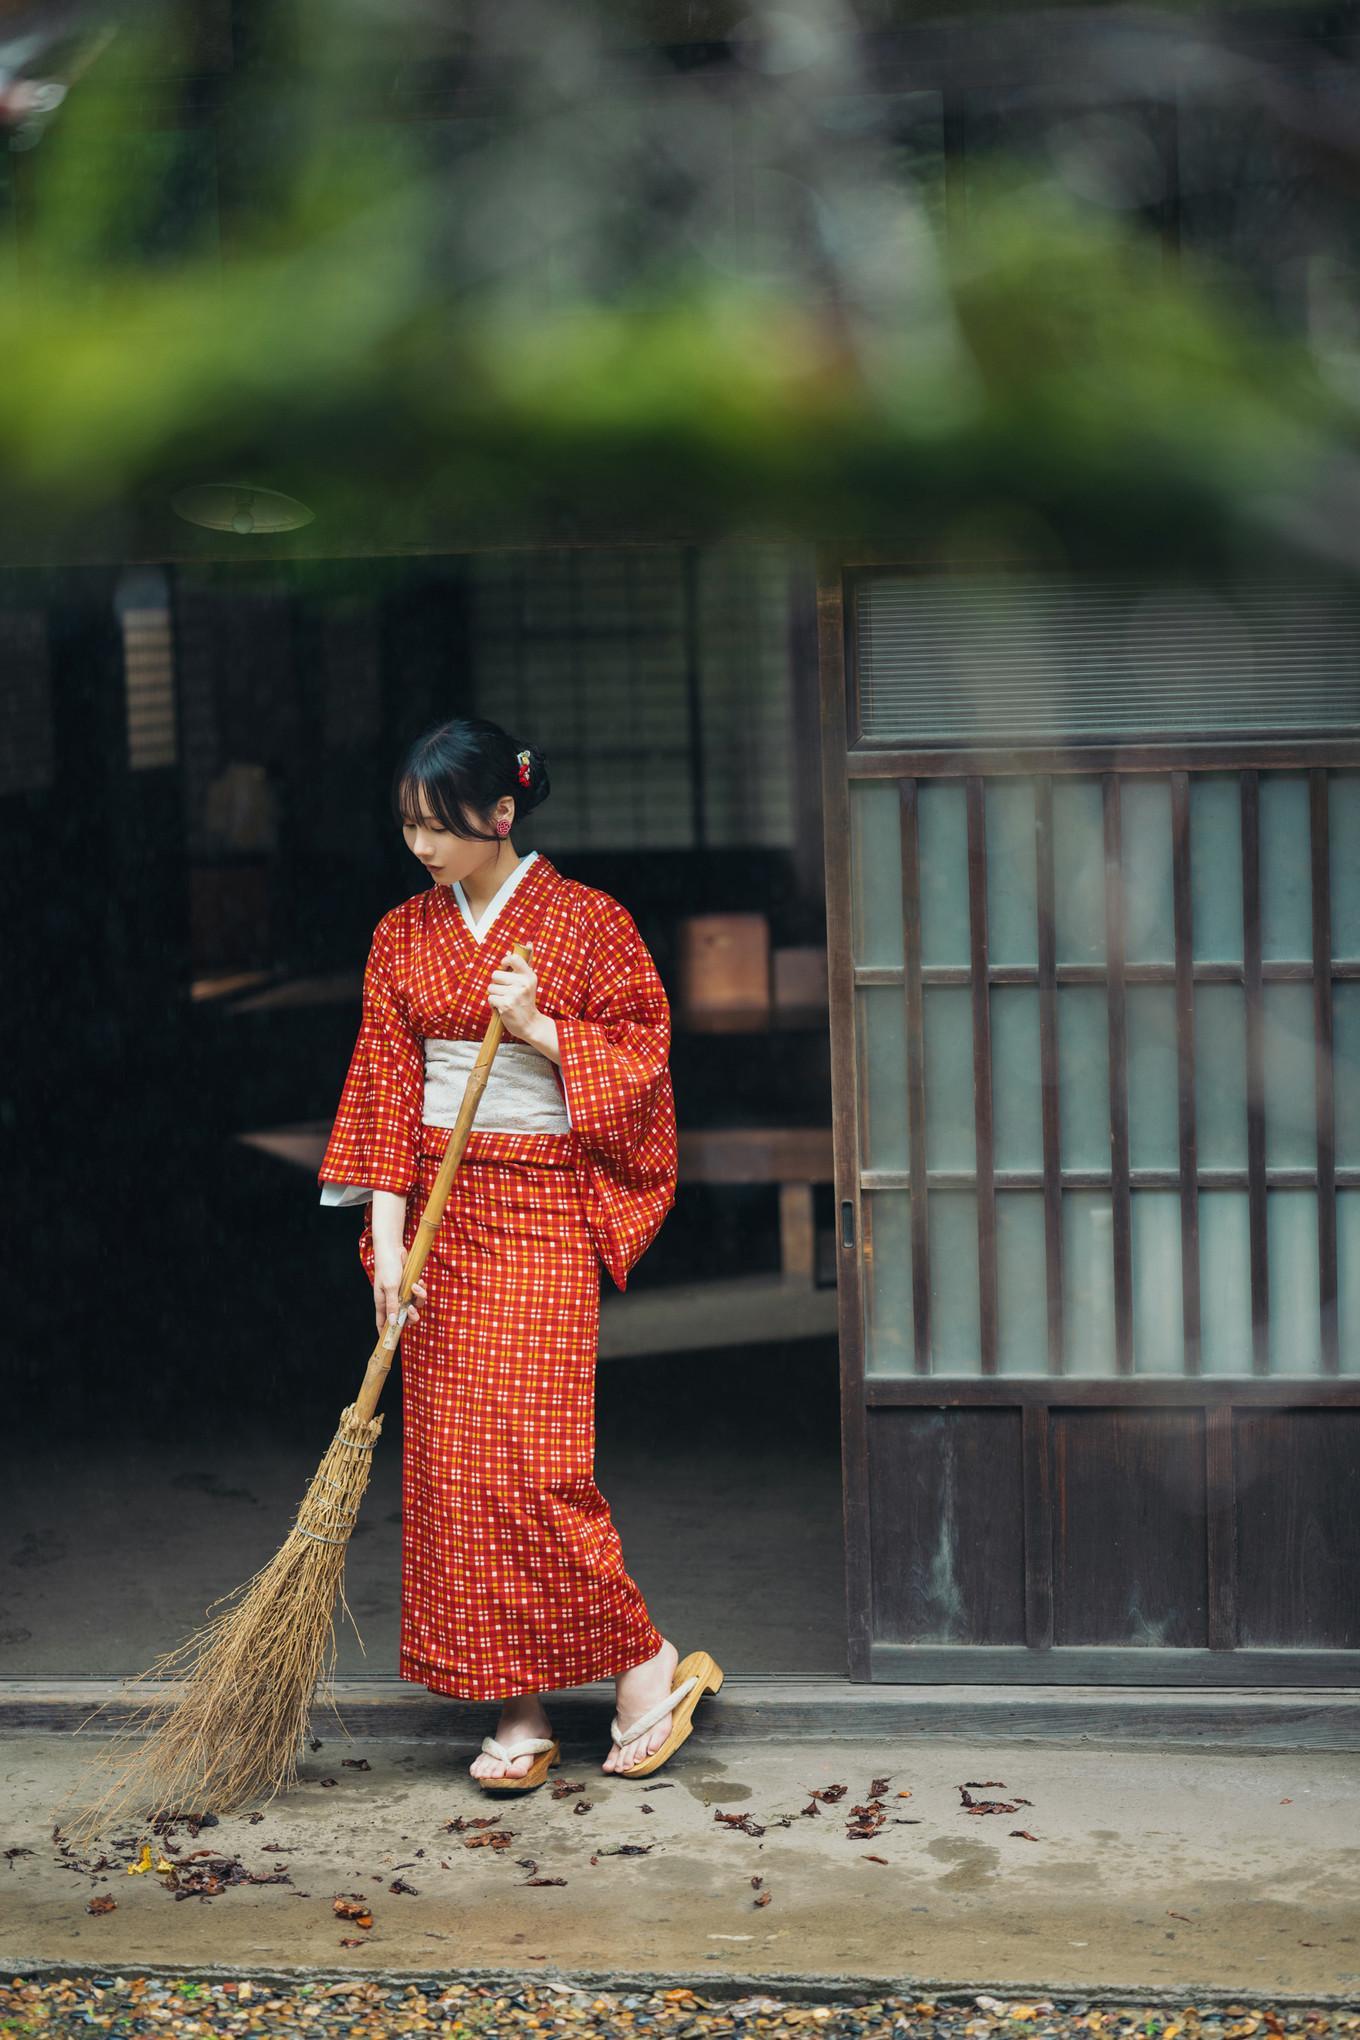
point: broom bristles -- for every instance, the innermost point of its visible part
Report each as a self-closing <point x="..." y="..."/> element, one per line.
<point x="234" y="1733"/>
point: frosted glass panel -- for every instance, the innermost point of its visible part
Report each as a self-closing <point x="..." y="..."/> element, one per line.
<point x="1286" y="881"/>
<point x="889" y="1342"/>
<point x="1088" y="1282"/>
<point x="1216" y="868"/>
<point x="1145" y="817"/>
<point x="1012" y="911"/>
<point x="1292" y="1242"/>
<point x="876" y="872"/>
<point x="951" y="1140"/>
<point x="1151" y="1014"/>
<point x="882" y="1077"/>
<point x="1291" y="1105"/>
<point x="1221" y="1076"/>
<point x="1348" y="1278"/>
<point x="1343" y="812"/>
<point x="1083" y="1077"/>
<point x="1014" y="655"/>
<point x="1022" y="1328"/>
<point x="1225" y="1282"/>
<point x="954" y="1324"/>
<point x="1346" y="1072"/>
<point x="1079" y="870"/>
<point x="1158" y="1327"/>
<point x="1017" y="1094"/>
<point x="943" y="831"/>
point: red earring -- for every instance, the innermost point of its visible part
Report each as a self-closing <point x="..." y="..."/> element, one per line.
<point x="502" y="827"/>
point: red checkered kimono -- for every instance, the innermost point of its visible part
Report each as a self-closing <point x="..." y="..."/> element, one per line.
<point x="512" y="1574"/>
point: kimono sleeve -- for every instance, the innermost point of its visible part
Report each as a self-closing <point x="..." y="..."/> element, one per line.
<point x="616" y="1078"/>
<point x="372" y="1142"/>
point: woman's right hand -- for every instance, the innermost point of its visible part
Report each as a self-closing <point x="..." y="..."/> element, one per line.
<point x="387" y="1267"/>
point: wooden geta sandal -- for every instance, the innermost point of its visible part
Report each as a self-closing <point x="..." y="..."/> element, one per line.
<point x="546" y="1755"/>
<point x="695" y="1675"/>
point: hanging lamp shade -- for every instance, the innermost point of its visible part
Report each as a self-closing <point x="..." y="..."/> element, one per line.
<point x="235" y="506"/>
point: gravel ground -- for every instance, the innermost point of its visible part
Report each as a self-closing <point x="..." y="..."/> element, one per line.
<point x="373" y="2007"/>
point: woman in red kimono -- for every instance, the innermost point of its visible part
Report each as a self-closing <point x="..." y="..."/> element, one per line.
<point x="513" y="1580"/>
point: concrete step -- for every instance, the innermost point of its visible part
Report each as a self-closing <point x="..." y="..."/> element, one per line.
<point x="806" y="1710"/>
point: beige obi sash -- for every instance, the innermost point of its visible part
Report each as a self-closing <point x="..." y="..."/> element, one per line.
<point x="522" y="1092"/>
<point x="522" y="1095"/>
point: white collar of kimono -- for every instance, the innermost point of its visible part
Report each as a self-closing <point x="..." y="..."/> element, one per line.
<point x="479" y="930"/>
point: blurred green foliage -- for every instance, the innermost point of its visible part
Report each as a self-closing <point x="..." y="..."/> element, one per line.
<point x="555" y="290"/>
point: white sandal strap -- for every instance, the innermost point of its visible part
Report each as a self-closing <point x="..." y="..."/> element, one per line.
<point x="653" y="1714"/>
<point x="507" y="1752"/>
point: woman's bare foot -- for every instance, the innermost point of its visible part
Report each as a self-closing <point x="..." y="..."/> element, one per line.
<point x="637" y="1689"/>
<point x="521" y="1716"/>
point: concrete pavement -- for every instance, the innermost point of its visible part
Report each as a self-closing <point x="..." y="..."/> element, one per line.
<point x="1150" y="1869"/>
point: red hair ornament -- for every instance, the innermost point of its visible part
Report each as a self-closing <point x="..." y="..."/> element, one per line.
<point x="522" y="759"/>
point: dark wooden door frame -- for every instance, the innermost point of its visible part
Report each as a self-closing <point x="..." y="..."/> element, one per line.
<point x="1038" y="1660"/>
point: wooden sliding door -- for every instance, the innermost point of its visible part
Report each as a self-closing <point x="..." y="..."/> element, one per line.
<point x="1093" y="853"/>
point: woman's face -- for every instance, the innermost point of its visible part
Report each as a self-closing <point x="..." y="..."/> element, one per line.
<point x="445" y="856"/>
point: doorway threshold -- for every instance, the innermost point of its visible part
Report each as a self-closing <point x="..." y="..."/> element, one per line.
<point x="789" y="1708"/>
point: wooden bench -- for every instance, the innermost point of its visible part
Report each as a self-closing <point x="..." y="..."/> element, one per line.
<point x="794" y="1157"/>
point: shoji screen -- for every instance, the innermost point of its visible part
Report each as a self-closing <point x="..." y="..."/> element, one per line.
<point x="1108" y="1022"/>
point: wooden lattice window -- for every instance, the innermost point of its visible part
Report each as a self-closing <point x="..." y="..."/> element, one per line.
<point x="1108" y="1021"/>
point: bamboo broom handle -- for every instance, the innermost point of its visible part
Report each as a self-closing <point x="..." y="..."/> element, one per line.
<point x="380" y="1359"/>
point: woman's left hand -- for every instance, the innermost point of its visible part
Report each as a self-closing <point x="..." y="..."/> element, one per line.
<point x="514" y="995"/>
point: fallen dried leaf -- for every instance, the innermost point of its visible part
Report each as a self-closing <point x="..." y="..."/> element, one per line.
<point x="971" y="1805"/>
<point x="400" y="1888"/>
<point x="102" y="1905"/>
<point x="356" y="1763"/>
<point x="352" y="1941"/>
<point x="545" y="1880"/>
<point x="462" y="1821"/>
<point x="745" y="1822"/>
<point x="581" y="1806"/>
<point x="879" y="1786"/>
<point x="351" y="1906"/>
<point x="875" y="1859"/>
<point x="1024" y="1835"/>
<point x="762" y="1898"/>
<point x="328" y="1781"/>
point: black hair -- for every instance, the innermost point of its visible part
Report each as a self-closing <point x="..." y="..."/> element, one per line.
<point x="470" y="763"/>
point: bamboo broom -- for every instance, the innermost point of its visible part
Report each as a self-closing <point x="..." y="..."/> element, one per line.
<point x="234" y="1732"/>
